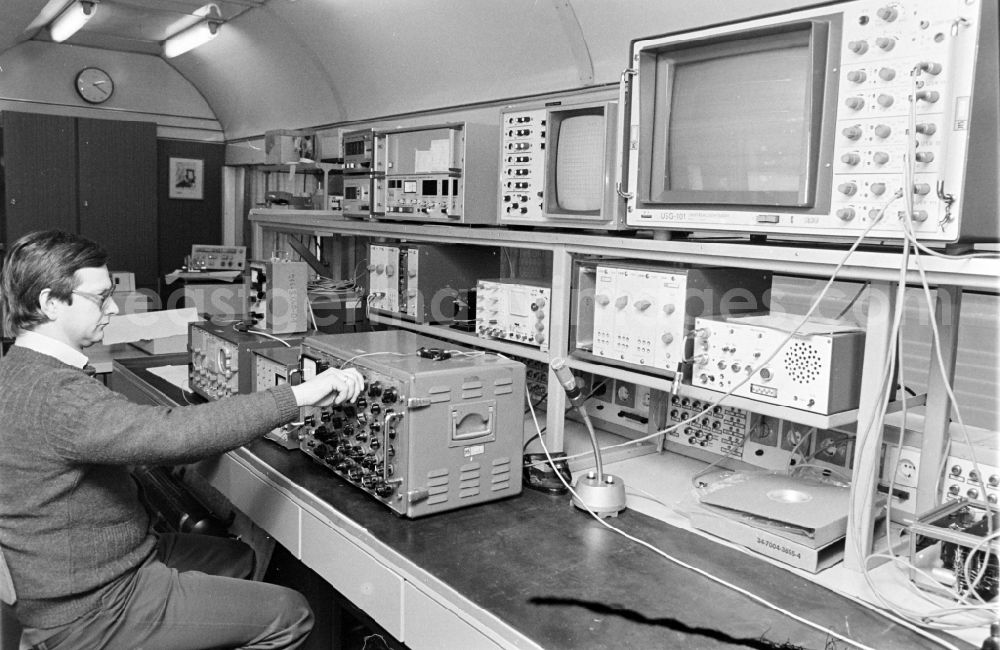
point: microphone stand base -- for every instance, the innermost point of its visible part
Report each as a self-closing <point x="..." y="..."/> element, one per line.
<point x="604" y="498"/>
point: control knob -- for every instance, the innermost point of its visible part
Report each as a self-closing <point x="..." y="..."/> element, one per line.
<point x="887" y="13"/>
<point x="848" y="189"/>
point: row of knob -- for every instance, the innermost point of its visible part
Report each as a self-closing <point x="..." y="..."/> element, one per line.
<point x="854" y="158"/>
<point x="357" y="467"/>
<point x="889" y="74"/>
<point x="850" y="188"/>
<point x="215" y="386"/>
<point x="854" y="132"/>
<point x="885" y="100"/>
<point x="621" y="302"/>
<point x="418" y="205"/>
<point x="848" y="214"/>
<point x="492" y="331"/>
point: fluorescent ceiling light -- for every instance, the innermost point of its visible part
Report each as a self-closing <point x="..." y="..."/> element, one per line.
<point x="71" y="20"/>
<point x="195" y="35"/>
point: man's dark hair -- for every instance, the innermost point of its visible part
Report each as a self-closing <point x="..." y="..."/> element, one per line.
<point x="39" y="260"/>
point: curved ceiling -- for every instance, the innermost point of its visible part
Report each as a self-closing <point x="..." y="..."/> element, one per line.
<point x="299" y="63"/>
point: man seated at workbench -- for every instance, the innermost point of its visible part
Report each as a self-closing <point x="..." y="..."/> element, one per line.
<point x="86" y="569"/>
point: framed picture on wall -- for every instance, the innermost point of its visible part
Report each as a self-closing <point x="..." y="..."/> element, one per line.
<point x="186" y="178"/>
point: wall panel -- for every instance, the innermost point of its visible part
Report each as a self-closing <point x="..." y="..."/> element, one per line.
<point x="117" y="166"/>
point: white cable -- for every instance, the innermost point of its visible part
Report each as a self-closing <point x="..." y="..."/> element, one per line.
<point x="251" y="330"/>
<point x="778" y="348"/>
<point x="312" y="315"/>
<point x="374" y="354"/>
<point x="758" y="599"/>
<point x="930" y="619"/>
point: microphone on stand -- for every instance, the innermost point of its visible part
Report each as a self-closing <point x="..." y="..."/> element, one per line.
<point x="600" y="493"/>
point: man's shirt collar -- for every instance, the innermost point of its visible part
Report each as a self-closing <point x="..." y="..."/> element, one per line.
<point x="53" y="348"/>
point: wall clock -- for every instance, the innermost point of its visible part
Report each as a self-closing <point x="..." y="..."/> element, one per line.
<point x="94" y="85"/>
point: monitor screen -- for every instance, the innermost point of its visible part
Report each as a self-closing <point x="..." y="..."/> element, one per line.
<point x="734" y="122"/>
<point x="579" y="161"/>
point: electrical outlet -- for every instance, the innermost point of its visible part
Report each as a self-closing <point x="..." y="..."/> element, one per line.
<point x="833" y="447"/>
<point x="766" y="433"/>
<point x="624" y="393"/>
<point x="901" y="466"/>
<point x="793" y="435"/>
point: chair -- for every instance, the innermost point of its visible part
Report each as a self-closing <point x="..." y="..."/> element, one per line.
<point x="10" y="628"/>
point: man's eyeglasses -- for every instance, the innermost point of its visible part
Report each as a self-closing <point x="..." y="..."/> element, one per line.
<point x="102" y="300"/>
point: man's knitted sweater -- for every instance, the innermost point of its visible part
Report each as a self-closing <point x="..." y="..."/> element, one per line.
<point x="71" y="522"/>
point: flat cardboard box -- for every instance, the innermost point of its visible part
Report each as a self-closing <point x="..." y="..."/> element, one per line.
<point x="164" y="345"/>
<point x="767" y="543"/>
<point x="806" y="511"/>
<point x="155" y="332"/>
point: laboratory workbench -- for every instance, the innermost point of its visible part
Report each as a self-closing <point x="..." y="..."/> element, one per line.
<point x="526" y="572"/>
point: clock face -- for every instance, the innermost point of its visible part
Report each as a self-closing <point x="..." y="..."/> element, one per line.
<point x="94" y="85"/>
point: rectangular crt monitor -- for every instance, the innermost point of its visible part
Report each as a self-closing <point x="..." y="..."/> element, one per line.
<point x="735" y="123"/>
<point x="853" y="119"/>
<point x="578" y="183"/>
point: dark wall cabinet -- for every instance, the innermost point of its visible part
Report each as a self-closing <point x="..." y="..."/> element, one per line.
<point x="40" y="184"/>
<point x="117" y="200"/>
<point x="94" y="177"/>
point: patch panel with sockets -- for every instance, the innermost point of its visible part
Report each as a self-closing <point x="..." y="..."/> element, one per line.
<point x="757" y="440"/>
<point x="962" y="479"/>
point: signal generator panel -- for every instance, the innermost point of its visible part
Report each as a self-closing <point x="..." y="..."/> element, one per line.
<point x="514" y="311"/>
<point x="816" y="370"/>
<point x="434" y="430"/>
<point x="220" y="359"/>
<point x="642" y="315"/>
<point x="279" y="296"/>
<point x="218" y="258"/>
<point x="420" y="282"/>
<point x="442" y="174"/>
<point x="383" y="278"/>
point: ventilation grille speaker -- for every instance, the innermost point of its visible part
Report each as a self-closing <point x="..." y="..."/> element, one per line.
<point x="802" y="362"/>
